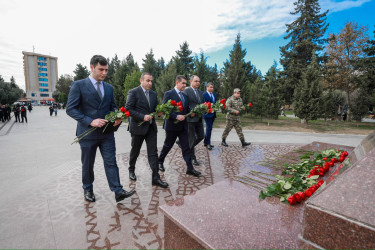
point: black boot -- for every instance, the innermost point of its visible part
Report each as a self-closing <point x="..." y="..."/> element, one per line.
<point x="244" y="144"/>
<point x="223" y="143"/>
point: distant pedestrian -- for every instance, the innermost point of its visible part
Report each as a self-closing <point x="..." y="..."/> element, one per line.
<point x="50" y="110"/>
<point x="23" y="113"/>
<point x="16" y="111"/>
<point x="8" y="111"/>
<point x="29" y="107"/>
<point x="2" y="113"/>
<point x="55" y="111"/>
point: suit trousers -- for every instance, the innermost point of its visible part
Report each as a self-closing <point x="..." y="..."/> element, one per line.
<point x="209" y="125"/>
<point x="170" y="139"/>
<point x="107" y="149"/>
<point x="195" y="134"/>
<point x="152" y="151"/>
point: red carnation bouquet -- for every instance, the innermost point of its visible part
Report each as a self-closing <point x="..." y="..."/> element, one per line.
<point x="111" y="118"/>
<point x="165" y="109"/>
<point x="246" y="107"/>
<point x="199" y="110"/>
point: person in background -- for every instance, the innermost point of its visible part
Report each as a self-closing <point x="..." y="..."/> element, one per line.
<point x="16" y="111"/>
<point x="23" y="113"/>
<point x="209" y="96"/>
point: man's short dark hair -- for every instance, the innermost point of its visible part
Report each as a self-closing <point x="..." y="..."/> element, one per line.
<point x="98" y="59"/>
<point x="209" y="84"/>
<point x="192" y="77"/>
<point x="179" y="78"/>
<point x="145" y="73"/>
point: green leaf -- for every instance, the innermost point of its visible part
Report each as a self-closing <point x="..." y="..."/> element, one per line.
<point x="262" y="195"/>
<point x="282" y="199"/>
<point x="314" y="177"/>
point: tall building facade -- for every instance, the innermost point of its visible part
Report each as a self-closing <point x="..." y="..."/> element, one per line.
<point x="41" y="76"/>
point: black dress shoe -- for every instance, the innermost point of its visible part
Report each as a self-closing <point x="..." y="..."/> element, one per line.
<point x="161" y="167"/>
<point x="132" y="176"/>
<point x="195" y="162"/>
<point x="160" y="183"/>
<point x="193" y="172"/>
<point x="205" y="145"/>
<point x="123" y="195"/>
<point x="89" y="196"/>
<point x="210" y="147"/>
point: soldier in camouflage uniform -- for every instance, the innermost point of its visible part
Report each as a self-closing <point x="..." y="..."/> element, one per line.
<point x="234" y="104"/>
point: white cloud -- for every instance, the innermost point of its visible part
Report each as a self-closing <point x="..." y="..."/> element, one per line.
<point x="75" y="30"/>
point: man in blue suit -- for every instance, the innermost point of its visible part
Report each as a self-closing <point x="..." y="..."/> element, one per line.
<point x="89" y="101"/>
<point x="180" y="130"/>
<point x="209" y="96"/>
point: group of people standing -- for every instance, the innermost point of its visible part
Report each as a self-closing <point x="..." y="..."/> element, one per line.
<point x="5" y="112"/>
<point x="91" y="99"/>
<point x="20" y="111"/>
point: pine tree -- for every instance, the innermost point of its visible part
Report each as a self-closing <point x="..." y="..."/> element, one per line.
<point x="113" y="65"/>
<point x="151" y="66"/>
<point x="258" y="98"/>
<point x="201" y="69"/>
<point x="166" y="80"/>
<point x="237" y="72"/>
<point x="308" y="93"/>
<point x="272" y="93"/>
<point x="131" y="81"/>
<point x="344" y="51"/>
<point x="184" y="60"/>
<point x="81" y="72"/>
<point x="306" y="35"/>
<point x="125" y="67"/>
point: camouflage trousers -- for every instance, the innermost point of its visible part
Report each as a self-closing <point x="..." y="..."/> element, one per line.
<point x="237" y="126"/>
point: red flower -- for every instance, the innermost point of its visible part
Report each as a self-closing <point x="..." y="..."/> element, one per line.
<point x="341" y="159"/>
<point x="180" y="108"/>
<point x="334" y="160"/>
<point x="222" y="101"/>
<point x="320" y="183"/>
<point x="127" y="113"/>
<point x="174" y="103"/>
<point x="302" y="195"/>
<point x="308" y="193"/>
<point x="298" y="197"/>
<point x="123" y="110"/>
<point x="326" y="169"/>
<point x="179" y="103"/>
<point x="346" y="153"/>
<point x="292" y="200"/>
<point x="313" y="171"/>
<point x="250" y="104"/>
<point x="326" y="164"/>
<point x="210" y="110"/>
<point x="225" y="106"/>
<point x="325" y="158"/>
<point x="309" y="176"/>
<point x="209" y="105"/>
<point x="330" y="164"/>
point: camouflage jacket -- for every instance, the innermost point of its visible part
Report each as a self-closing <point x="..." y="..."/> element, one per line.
<point x="233" y="105"/>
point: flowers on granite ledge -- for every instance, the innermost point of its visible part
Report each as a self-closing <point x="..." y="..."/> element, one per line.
<point x="300" y="181"/>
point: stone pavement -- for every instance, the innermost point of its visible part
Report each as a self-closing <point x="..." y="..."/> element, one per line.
<point x="41" y="199"/>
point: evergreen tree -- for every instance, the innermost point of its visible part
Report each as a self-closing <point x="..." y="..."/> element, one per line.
<point x="308" y="93"/>
<point x="344" y="50"/>
<point x="161" y="64"/>
<point x="362" y="101"/>
<point x="272" y="93"/>
<point x="9" y="91"/>
<point x="237" y="73"/>
<point x="184" y="60"/>
<point x="201" y="69"/>
<point x="62" y="88"/>
<point x="306" y="35"/>
<point x="13" y="82"/>
<point x="214" y="77"/>
<point x="166" y="80"/>
<point x="151" y="66"/>
<point x="125" y="67"/>
<point x="258" y="98"/>
<point x="81" y="72"/>
<point x="113" y="65"/>
<point x="131" y="81"/>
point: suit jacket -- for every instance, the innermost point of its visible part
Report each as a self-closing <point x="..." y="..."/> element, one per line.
<point x="169" y="124"/>
<point x="138" y="106"/>
<point x="194" y="100"/>
<point x="84" y="105"/>
<point x="207" y="98"/>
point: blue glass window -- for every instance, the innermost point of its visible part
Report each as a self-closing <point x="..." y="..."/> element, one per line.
<point x="32" y="94"/>
<point x="43" y="90"/>
<point x="44" y="95"/>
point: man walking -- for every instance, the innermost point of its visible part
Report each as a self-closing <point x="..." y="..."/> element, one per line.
<point x="89" y="101"/>
<point x="140" y="102"/>
<point x="234" y="104"/>
<point x="195" y="125"/>
<point x="180" y="130"/>
<point x="209" y="96"/>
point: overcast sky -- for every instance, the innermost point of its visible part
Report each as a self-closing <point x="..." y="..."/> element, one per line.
<point x="75" y="30"/>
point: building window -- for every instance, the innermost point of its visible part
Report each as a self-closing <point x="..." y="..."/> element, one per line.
<point x="42" y="69"/>
<point x="44" y="95"/>
<point x="43" y="79"/>
<point x="43" y="90"/>
<point x="43" y="84"/>
<point x="43" y="74"/>
<point x="42" y="64"/>
<point x="32" y="94"/>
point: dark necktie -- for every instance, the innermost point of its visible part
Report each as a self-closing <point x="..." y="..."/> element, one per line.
<point x="148" y="99"/>
<point x="182" y="99"/>
<point x="98" y="90"/>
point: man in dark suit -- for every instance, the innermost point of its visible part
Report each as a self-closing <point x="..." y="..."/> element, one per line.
<point x="140" y="102"/>
<point x="195" y="125"/>
<point x="89" y="101"/>
<point x="209" y="96"/>
<point x="180" y="129"/>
